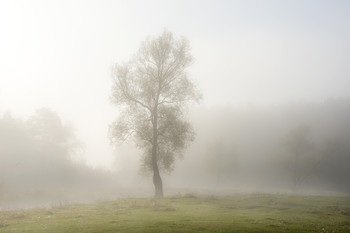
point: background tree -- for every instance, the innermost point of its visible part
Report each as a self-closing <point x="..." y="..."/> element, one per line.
<point x="303" y="153"/>
<point x="36" y="153"/>
<point x="152" y="90"/>
<point x="46" y="124"/>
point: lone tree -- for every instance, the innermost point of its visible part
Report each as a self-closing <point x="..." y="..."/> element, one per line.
<point x="152" y="90"/>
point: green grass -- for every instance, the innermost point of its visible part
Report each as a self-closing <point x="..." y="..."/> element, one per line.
<point x="237" y="213"/>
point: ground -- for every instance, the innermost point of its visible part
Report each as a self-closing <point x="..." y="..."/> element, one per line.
<point x="188" y="213"/>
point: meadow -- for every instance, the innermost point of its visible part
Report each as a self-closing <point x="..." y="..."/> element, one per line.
<point x="188" y="213"/>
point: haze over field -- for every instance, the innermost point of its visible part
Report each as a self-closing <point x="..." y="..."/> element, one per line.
<point x="266" y="70"/>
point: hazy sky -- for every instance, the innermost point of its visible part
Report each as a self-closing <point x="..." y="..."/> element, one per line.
<point x="58" y="54"/>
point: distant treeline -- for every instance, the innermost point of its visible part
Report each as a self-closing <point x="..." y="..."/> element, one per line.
<point x="291" y="147"/>
<point x="36" y="154"/>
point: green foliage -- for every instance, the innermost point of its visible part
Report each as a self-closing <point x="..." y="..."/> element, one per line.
<point x="237" y="213"/>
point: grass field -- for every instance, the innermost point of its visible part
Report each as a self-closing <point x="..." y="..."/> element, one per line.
<point x="189" y="213"/>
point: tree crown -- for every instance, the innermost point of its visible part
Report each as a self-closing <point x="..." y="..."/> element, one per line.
<point x="152" y="90"/>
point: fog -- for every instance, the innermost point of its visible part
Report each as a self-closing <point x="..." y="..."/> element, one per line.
<point x="274" y="115"/>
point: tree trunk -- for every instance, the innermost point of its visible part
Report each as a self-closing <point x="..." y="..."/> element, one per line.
<point x="157" y="180"/>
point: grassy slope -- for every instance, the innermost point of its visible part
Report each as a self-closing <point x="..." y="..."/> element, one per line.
<point x="238" y="213"/>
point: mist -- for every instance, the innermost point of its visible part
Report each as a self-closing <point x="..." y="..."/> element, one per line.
<point x="274" y="117"/>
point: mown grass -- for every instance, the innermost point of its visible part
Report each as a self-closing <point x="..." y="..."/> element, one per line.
<point x="189" y="213"/>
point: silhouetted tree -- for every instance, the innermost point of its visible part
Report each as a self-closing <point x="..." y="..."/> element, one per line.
<point x="152" y="90"/>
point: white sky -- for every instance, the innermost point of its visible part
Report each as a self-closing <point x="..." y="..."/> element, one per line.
<point x="58" y="54"/>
